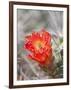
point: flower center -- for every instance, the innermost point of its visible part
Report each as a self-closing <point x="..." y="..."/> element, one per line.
<point x="38" y="45"/>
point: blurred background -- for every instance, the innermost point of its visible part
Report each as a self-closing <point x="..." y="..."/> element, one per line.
<point x="33" y="20"/>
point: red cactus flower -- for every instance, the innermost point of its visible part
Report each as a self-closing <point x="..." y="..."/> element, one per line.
<point x="39" y="44"/>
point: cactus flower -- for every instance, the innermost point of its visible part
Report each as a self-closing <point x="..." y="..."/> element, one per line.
<point x="39" y="45"/>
